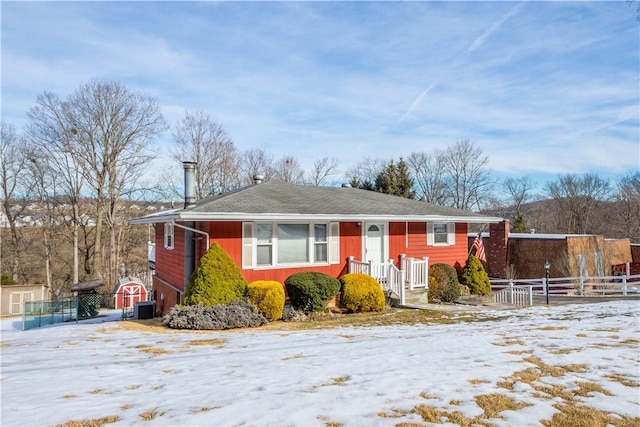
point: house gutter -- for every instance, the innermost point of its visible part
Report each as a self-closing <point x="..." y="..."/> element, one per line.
<point x="195" y="230"/>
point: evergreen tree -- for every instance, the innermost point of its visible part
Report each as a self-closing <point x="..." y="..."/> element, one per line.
<point x="217" y="280"/>
<point x="519" y="224"/>
<point x="396" y="180"/>
<point x="475" y="277"/>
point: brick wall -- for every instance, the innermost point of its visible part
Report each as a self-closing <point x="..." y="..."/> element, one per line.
<point x="497" y="253"/>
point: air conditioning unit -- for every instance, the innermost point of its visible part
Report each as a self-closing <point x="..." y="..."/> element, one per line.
<point x="144" y="310"/>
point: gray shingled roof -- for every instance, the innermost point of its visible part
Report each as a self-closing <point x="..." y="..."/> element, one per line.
<point x="275" y="200"/>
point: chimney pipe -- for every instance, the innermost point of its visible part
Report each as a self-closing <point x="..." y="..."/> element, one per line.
<point x="189" y="184"/>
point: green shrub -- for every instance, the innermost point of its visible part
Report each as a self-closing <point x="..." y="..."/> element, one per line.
<point x="237" y="314"/>
<point x="451" y="292"/>
<point x="268" y="297"/>
<point x="441" y="278"/>
<point x="6" y="280"/>
<point x="217" y="280"/>
<point x="310" y="291"/>
<point x="361" y="293"/>
<point x="475" y="277"/>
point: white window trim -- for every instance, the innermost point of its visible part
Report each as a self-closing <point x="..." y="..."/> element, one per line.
<point x="169" y="236"/>
<point x="250" y="245"/>
<point x="451" y="234"/>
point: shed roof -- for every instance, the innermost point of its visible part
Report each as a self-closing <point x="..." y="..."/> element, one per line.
<point x="274" y="200"/>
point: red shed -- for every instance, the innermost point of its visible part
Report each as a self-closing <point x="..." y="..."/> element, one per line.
<point x="129" y="291"/>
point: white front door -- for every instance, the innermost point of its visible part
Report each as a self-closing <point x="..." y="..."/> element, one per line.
<point x="374" y="249"/>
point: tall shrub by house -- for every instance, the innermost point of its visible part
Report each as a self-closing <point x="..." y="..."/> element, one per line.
<point x="311" y="291"/>
<point x="217" y="280"/>
<point x="443" y="283"/>
<point x="361" y="293"/>
<point x="474" y="276"/>
<point x="268" y="296"/>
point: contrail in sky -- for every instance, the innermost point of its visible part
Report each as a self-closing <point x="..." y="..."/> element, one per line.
<point x="477" y="42"/>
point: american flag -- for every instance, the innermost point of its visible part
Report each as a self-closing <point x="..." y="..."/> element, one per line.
<point x="479" y="247"/>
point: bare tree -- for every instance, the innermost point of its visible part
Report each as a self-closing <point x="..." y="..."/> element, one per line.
<point x="288" y="169"/>
<point x="364" y="174"/>
<point x="322" y="169"/>
<point x="52" y="133"/>
<point x="627" y="209"/>
<point x="257" y="162"/>
<point x="114" y="128"/>
<point x="14" y="184"/>
<point x="518" y="191"/>
<point x="200" y="139"/>
<point x="576" y="199"/>
<point x="429" y="174"/>
<point x="467" y="176"/>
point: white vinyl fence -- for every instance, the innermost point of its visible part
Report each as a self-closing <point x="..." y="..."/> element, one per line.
<point x="579" y="286"/>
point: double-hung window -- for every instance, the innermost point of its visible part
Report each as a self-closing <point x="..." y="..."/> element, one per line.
<point x="264" y="246"/>
<point x="168" y="235"/>
<point x="320" y="243"/>
<point x="270" y="244"/>
<point x="441" y="234"/>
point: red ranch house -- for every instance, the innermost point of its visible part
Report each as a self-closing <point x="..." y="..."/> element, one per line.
<point x="274" y="229"/>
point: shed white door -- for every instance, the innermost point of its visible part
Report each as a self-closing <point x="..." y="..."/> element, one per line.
<point x="17" y="300"/>
<point x="374" y="243"/>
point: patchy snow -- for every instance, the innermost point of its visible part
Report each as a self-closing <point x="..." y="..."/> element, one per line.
<point x="346" y="375"/>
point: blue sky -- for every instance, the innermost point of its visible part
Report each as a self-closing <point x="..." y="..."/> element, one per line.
<point x="543" y="88"/>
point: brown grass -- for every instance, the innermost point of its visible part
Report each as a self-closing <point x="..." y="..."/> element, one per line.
<point x="476" y="381"/>
<point x="213" y="342"/>
<point x="153" y="350"/>
<point x="571" y="415"/>
<point x="494" y="403"/>
<point x="550" y="328"/>
<point x="624" y="380"/>
<point x="149" y="415"/>
<point x="395" y="413"/>
<point x="96" y="422"/>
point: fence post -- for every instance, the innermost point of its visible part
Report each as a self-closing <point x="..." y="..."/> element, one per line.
<point x="624" y="285"/>
<point x="510" y="291"/>
<point x="581" y="288"/>
<point x="349" y="264"/>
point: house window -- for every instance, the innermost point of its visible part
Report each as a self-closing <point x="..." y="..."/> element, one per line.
<point x="320" y="243"/>
<point x="168" y="236"/>
<point x="441" y="234"/>
<point x="293" y="243"/>
<point x="264" y="248"/>
<point x="282" y="244"/>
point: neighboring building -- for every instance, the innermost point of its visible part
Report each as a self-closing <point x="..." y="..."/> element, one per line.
<point x="274" y="229"/>
<point x="13" y="297"/>
<point x="523" y="255"/>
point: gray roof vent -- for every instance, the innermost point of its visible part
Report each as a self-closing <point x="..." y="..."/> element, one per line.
<point x="258" y="179"/>
<point x="346" y="185"/>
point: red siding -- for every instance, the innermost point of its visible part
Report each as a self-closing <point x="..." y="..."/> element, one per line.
<point x="414" y="244"/>
<point x="170" y="263"/>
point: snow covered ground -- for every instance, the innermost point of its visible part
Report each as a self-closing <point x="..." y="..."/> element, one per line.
<point x="345" y="376"/>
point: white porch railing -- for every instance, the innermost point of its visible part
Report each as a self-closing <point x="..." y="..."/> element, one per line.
<point x="388" y="275"/>
<point x="416" y="270"/>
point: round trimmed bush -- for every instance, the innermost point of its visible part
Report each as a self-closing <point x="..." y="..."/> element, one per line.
<point x="361" y="293"/>
<point x="475" y="277"/>
<point x="268" y="297"/>
<point x="441" y="277"/>
<point x="310" y="291"/>
<point x="217" y="280"/>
